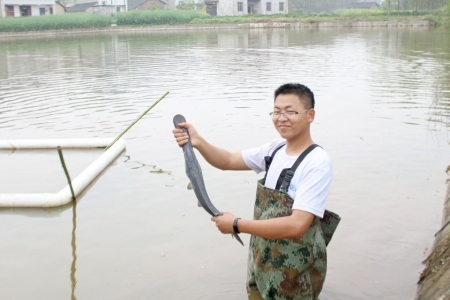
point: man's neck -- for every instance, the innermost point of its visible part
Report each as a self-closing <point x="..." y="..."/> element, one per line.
<point x="296" y="146"/>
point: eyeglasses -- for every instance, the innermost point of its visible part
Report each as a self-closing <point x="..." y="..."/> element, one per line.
<point x="286" y="114"/>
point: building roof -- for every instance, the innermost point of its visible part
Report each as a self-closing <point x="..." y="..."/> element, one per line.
<point x="81" y="7"/>
<point x="60" y="4"/>
<point x="363" y="5"/>
<point x="132" y="4"/>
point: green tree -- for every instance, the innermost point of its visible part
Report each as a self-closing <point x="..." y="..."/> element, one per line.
<point x="296" y="6"/>
<point x="189" y="5"/>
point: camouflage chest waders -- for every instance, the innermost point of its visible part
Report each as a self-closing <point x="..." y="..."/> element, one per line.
<point x="285" y="269"/>
<point x="289" y="269"/>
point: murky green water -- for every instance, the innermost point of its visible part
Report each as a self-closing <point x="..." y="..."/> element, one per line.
<point x="383" y="115"/>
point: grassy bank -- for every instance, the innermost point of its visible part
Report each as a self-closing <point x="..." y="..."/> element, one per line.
<point x="353" y="15"/>
<point x="54" y="22"/>
<point x="172" y="17"/>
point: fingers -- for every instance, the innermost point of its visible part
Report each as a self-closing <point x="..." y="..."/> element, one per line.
<point x="182" y="142"/>
<point x="218" y="223"/>
<point x="216" y="218"/>
<point x="224" y="222"/>
<point x="182" y="125"/>
<point x="179" y="133"/>
<point x="180" y="136"/>
<point x="181" y="139"/>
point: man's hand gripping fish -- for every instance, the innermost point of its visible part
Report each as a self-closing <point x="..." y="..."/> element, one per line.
<point x="194" y="173"/>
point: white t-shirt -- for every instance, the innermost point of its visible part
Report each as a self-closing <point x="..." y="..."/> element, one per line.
<point x="311" y="182"/>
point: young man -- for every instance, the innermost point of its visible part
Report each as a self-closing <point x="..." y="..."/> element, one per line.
<point x="287" y="256"/>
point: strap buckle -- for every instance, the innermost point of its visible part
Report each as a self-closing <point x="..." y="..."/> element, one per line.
<point x="287" y="181"/>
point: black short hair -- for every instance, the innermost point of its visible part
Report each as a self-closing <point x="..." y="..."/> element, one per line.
<point x="303" y="92"/>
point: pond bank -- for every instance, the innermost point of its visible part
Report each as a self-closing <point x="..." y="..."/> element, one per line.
<point x="219" y="26"/>
<point x="434" y="282"/>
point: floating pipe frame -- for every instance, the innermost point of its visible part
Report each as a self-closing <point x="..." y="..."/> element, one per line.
<point x="80" y="183"/>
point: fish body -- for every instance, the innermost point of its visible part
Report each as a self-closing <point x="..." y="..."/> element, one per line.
<point x="190" y="187"/>
<point x="194" y="173"/>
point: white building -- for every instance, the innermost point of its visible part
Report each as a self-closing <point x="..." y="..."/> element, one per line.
<point x="22" y="8"/>
<point x="245" y="7"/>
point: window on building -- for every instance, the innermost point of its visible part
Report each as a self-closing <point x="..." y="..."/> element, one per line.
<point x="51" y="10"/>
<point x="41" y="11"/>
<point x="281" y="6"/>
<point x="25" y="10"/>
<point x="268" y="6"/>
<point x="9" y="10"/>
<point x="118" y="9"/>
<point x="240" y="6"/>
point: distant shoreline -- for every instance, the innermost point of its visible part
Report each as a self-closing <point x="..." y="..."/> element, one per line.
<point x="218" y="26"/>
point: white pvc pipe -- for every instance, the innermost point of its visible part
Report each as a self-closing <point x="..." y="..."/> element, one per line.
<point x="79" y="183"/>
<point x="63" y="143"/>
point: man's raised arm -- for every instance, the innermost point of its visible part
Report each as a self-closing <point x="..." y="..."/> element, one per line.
<point x="217" y="157"/>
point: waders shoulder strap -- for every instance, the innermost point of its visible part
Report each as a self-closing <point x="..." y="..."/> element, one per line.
<point x="284" y="180"/>
<point x="269" y="159"/>
<point x="289" y="174"/>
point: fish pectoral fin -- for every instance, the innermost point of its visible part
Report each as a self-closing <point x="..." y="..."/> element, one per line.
<point x="190" y="187"/>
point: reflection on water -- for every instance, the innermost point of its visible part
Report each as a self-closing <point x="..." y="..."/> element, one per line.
<point x="23" y="170"/>
<point x="383" y="98"/>
<point x="118" y="75"/>
<point x="154" y="169"/>
<point x="73" y="244"/>
<point x="3" y="67"/>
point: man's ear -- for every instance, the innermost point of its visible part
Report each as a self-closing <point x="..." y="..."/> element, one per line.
<point x="311" y="115"/>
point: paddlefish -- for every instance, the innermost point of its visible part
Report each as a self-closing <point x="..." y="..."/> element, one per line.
<point x="194" y="173"/>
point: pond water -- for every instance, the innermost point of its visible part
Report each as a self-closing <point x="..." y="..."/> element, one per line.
<point x="382" y="113"/>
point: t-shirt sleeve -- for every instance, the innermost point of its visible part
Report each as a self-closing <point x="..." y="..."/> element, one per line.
<point x="312" y="194"/>
<point x="254" y="158"/>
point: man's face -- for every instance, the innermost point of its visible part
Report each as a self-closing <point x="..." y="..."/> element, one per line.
<point x="289" y="124"/>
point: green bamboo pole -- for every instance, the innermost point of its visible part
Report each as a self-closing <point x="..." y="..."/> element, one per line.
<point x="61" y="157"/>
<point x="143" y="114"/>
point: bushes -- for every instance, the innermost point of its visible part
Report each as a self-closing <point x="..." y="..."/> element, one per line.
<point x="159" y="17"/>
<point x="155" y="16"/>
<point x="87" y="20"/>
<point x="444" y="16"/>
<point x="378" y="12"/>
<point x="245" y="19"/>
<point x="359" y="12"/>
<point x="54" y="22"/>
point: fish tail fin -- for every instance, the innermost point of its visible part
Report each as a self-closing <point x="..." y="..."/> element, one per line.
<point x="236" y="236"/>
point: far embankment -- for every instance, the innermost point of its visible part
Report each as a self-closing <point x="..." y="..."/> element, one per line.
<point x="156" y="20"/>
